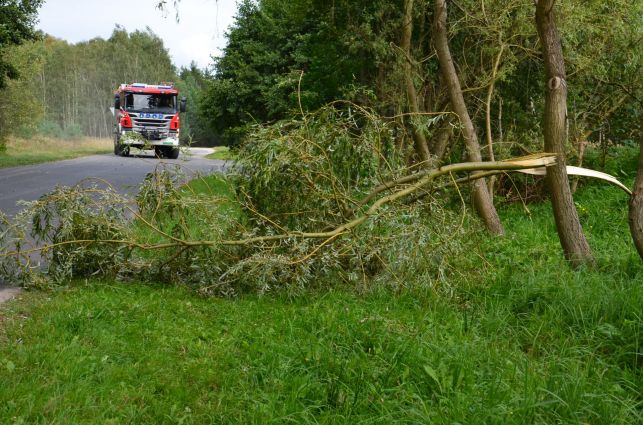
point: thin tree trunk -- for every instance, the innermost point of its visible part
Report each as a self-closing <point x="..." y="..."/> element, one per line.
<point x="482" y="199"/>
<point x="421" y="146"/>
<point x="492" y="85"/>
<point x="500" y="136"/>
<point x="441" y="139"/>
<point x="636" y="201"/>
<point x="570" y="232"/>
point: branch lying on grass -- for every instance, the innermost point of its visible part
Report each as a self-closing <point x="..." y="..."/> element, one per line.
<point x="414" y="183"/>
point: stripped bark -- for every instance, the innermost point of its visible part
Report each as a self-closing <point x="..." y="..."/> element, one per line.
<point x="482" y="199"/>
<point x="570" y="232"/>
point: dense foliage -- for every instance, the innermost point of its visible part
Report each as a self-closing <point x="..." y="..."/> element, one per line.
<point x="21" y="106"/>
<point x="17" y="20"/>
<point x="259" y="77"/>
<point x="348" y="49"/>
<point x="194" y="129"/>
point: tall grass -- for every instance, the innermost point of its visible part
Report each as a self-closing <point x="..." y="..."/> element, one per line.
<point x="223" y="153"/>
<point x="39" y="149"/>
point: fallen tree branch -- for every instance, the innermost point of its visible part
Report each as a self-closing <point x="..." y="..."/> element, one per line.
<point x="418" y="180"/>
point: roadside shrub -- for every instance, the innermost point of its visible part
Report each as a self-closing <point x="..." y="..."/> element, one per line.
<point x="73" y="131"/>
<point x="50" y="129"/>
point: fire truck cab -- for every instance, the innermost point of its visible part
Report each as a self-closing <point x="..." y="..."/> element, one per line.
<point x="147" y="117"/>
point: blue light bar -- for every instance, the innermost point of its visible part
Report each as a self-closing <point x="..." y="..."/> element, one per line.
<point x="139" y="85"/>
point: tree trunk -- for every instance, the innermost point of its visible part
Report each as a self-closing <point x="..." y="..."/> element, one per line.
<point x="421" y="146"/>
<point x="570" y="232"/>
<point x="441" y="139"/>
<point x="636" y="201"/>
<point x="492" y="85"/>
<point x="482" y="199"/>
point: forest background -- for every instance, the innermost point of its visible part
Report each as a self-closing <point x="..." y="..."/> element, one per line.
<point x="352" y="51"/>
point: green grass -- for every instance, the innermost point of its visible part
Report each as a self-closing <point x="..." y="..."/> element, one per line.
<point x="515" y="336"/>
<point x="222" y="153"/>
<point x="44" y="149"/>
<point x="102" y="353"/>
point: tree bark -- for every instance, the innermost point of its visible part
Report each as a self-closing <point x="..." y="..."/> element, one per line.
<point x="421" y="146"/>
<point x="636" y="201"/>
<point x="440" y="140"/>
<point x="570" y="232"/>
<point x="481" y="197"/>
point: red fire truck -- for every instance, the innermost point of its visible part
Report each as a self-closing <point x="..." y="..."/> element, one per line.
<point x="147" y="117"/>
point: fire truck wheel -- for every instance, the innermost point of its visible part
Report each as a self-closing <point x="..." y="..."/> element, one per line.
<point x="172" y="153"/>
<point x="124" y="150"/>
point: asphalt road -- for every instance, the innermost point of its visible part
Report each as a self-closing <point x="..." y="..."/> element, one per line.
<point x="124" y="173"/>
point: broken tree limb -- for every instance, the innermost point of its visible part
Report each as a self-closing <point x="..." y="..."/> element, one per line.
<point x="417" y="182"/>
<point x="586" y="172"/>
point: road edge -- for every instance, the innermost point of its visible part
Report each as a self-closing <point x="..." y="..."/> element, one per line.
<point x="8" y="293"/>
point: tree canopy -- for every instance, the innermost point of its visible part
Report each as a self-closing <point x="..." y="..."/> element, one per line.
<point x="17" y="20"/>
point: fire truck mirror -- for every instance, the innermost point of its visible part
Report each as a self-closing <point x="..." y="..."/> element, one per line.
<point x="183" y="106"/>
<point x="117" y="101"/>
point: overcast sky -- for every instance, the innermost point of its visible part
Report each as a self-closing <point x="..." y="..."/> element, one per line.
<point x="198" y="34"/>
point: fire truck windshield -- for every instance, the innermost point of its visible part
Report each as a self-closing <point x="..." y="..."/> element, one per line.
<point x="150" y="102"/>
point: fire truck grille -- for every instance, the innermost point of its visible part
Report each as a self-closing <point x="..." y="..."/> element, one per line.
<point x="142" y="122"/>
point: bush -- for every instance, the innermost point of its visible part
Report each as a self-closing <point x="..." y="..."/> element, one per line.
<point x="52" y="129"/>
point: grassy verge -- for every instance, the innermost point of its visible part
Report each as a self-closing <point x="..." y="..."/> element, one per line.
<point x="222" y="153"/>
<point x="44" y="149"/>
<point x="529" y="353"/>
<point x="514" y="337"/>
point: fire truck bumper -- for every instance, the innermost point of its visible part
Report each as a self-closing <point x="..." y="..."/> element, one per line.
<point x="135" y="139"/>
<point x="168" y="141"/>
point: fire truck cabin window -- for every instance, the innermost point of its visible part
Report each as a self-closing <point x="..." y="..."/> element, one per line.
<point x="150" y="102"/>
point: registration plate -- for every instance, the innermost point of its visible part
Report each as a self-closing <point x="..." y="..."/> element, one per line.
<point x="148" y="115"/>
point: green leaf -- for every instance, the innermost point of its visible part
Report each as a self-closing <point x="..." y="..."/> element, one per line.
<point x="10" y="366"/>
<point x="433" y="375"/>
